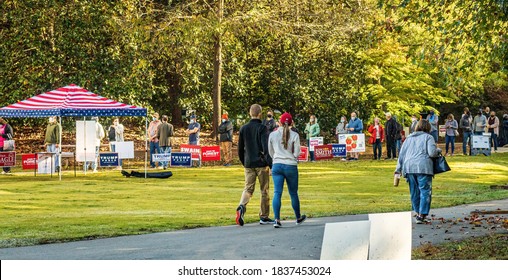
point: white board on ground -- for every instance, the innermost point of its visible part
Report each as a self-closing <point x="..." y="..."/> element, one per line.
<point x="390" y="236"/>
<point x="346" y="241"/>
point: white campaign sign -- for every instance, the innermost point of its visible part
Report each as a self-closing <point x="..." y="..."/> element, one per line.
<point x="346" y="241"/>
<point x="85" y="141"/>
<point x="354" y="142"/>
<point x="124" y="149"/>
<point x="480" y="142"/>
<point x="315" y="141"/>
<point x="45" y="163"/>
<point x="390" y="236"/>
<point x="161" y="157"/>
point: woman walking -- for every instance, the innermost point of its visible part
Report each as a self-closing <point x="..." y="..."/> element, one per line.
<point x="284" y="148"/>
<point x="415" y="164"/>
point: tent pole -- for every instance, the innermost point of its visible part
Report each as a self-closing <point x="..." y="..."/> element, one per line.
<point x="59" y="150"/>
<point x="85" y="163"/>
<point x="146" y="143"/>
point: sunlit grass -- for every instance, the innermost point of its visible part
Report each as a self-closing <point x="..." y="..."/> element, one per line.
<point x="35" y="210"/>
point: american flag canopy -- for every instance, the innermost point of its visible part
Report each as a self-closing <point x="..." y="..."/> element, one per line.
<point x="70" y="101"/>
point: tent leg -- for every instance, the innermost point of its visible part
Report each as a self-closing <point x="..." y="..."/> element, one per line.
<point x="146" y="144"/>
<point x="59" y="150"/>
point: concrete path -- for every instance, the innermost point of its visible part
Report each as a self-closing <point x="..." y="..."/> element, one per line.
<point x="259" y="242"/>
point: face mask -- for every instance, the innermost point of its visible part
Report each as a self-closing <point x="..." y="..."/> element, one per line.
<point x="192" y="121"/>
<point x="353" y="118"/>
<point x="223" y="120"/>
<point x="154" y="118"/>
<point x="413" y="119"/>
<point x="269" y="116"/>
<point x="431" y="113"/>
<point x="312" y="120"/>
<point x="50" y="120"/>
<point x="342" y="120"/>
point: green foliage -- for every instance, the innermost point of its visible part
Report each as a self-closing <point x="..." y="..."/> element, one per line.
<point x="308" y="56"/>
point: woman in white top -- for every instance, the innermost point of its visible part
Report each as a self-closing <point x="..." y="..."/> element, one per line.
<point x="284" y="148"/>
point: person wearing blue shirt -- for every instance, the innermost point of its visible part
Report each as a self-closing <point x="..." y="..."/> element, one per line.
<point x="355" y="126"/>
<point x="193" y="131"/>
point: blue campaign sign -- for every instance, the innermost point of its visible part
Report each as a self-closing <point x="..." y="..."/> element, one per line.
<point x="108" y="159"/>
<point x="181" y="159"/>
<point x="339" y="150"/>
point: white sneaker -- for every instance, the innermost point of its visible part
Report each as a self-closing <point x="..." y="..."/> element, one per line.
<point x="3" y="172"/>
<point x="94" y="171"/>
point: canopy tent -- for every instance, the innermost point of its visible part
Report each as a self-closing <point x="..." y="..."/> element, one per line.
<point x="71" y="101"/>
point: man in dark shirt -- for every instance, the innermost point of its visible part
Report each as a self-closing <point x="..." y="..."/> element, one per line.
<point x="193" y="131"/>
<point x="226" y="139"/>
<point x="253" y="153"/>
<point x="390" y="136"/>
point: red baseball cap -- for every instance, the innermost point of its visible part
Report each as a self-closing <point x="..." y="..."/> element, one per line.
<point x="286" y="118"/>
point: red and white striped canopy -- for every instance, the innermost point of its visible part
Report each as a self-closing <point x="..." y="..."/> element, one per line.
<point x="70" y="100"/>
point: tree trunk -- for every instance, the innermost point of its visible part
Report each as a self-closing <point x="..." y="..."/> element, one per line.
<point x="217" y="76"/>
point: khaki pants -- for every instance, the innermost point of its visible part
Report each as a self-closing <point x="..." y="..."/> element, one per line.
<point x="226" y="148"/>
<point x="262" y="174"/>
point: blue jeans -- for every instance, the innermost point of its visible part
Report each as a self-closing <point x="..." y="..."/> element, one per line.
<point x="154" y="149"/>
<point x="450" y="140"/>
<point x="165" y="150"/>
<point x="493" y="141"/>
<point x="420" y="189"/>
<point x="466" y="138"/>
<point x="290" y="174"/>
<point x="113" y="149"/>
<point x="311" y="153"/>
<point x="398" y="143"/>
<point x="51" y="148"/>
<point x="377" y="148"/>
<point x="434" y="134"/>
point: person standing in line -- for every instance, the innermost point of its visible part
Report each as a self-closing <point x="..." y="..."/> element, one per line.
<point x="99" y="135"/>
<point x="193" y="131"/>
<point x="493" y="129"/>
<point x="505" y="128"/>
<point x="152" y="137"/>
<point x="226" y="139"/>
<point x="254" y="156"/>
<point x="398" y="135"/>
<point x="284" y="148"/>
<point x="164" y="134"/>
<point x="377" y="137"/>
<point x="479" y="123"/>
<point x="311" y="130"/>
<point x="433" y="120"/>
<point x="354" y="126"/>
<point x="118" y="130"/>
<point x="390" y="135"/>
<point x="451" y="126"/>
<point x="52" y="139"/>
<point x="415" y="164"/>
<point x="6" y="133"/>
<point x="270" y="122"/>
<point x="341" y="127"/>
<point x="414" y="122"/>
<point x="466" y="125"/>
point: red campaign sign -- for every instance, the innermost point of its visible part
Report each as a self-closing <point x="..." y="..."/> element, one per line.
<point x="210" y="153"/>
<point x="304" y="154"/>
<point x="7" y="159"/>
<point x="29" y="161"/>
<point x="195" y="150"/>
<point x="323" y="152"/>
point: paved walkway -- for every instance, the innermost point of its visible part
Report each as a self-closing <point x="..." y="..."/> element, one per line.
<point x="259" y="242"/>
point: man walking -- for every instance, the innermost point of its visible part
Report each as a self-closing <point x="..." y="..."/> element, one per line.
<point x="164" y="133"/>
<point x="226" y="139"/>
<point x="253" y="153"/>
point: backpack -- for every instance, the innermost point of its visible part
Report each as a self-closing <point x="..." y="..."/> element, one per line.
<point x="112" y="134"/>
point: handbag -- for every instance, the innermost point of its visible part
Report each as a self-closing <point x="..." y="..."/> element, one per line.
<point x="9" y="145"/>
<point x="440" y="164"/>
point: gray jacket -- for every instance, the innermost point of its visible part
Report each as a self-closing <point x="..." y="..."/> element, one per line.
<point x="415" y="154"/>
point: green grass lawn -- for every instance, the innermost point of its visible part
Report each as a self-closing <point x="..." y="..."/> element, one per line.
<point x="37" y="210"/>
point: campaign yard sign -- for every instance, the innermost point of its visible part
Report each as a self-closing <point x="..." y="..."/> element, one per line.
<point x="181" y="159"/>
<point x="29" y="161"/>
<point x="108" y="159"/>
<point x="195" y="150"/>
<point x="210" y="153"/>
<point x="339" y="150"/>
<point x="304" y="154"/>
<point x="315" y="141"/>
<point x="7" y="159"/>
<point x="354" y="142"/>
<point x="323" y="152"/>
<point x="161" y="157"/>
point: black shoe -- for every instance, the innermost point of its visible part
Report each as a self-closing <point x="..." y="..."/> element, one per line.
<point x="266" y="221"/>
<point x="240" y="211"/>
<point x="277" y="224"/>
<point x="301" y="220"/>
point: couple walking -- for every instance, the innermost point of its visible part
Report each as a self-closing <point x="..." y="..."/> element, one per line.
<point x="256" y="149"/>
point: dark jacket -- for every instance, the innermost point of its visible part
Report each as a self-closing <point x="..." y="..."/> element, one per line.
<point x="164" y="133"/>
<point x="270" y="124"/>
<point x="226" y="132"/>
<point x="7" y="131"/>
<point x="391" y="129"/>
<point x="253" y="145"/>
